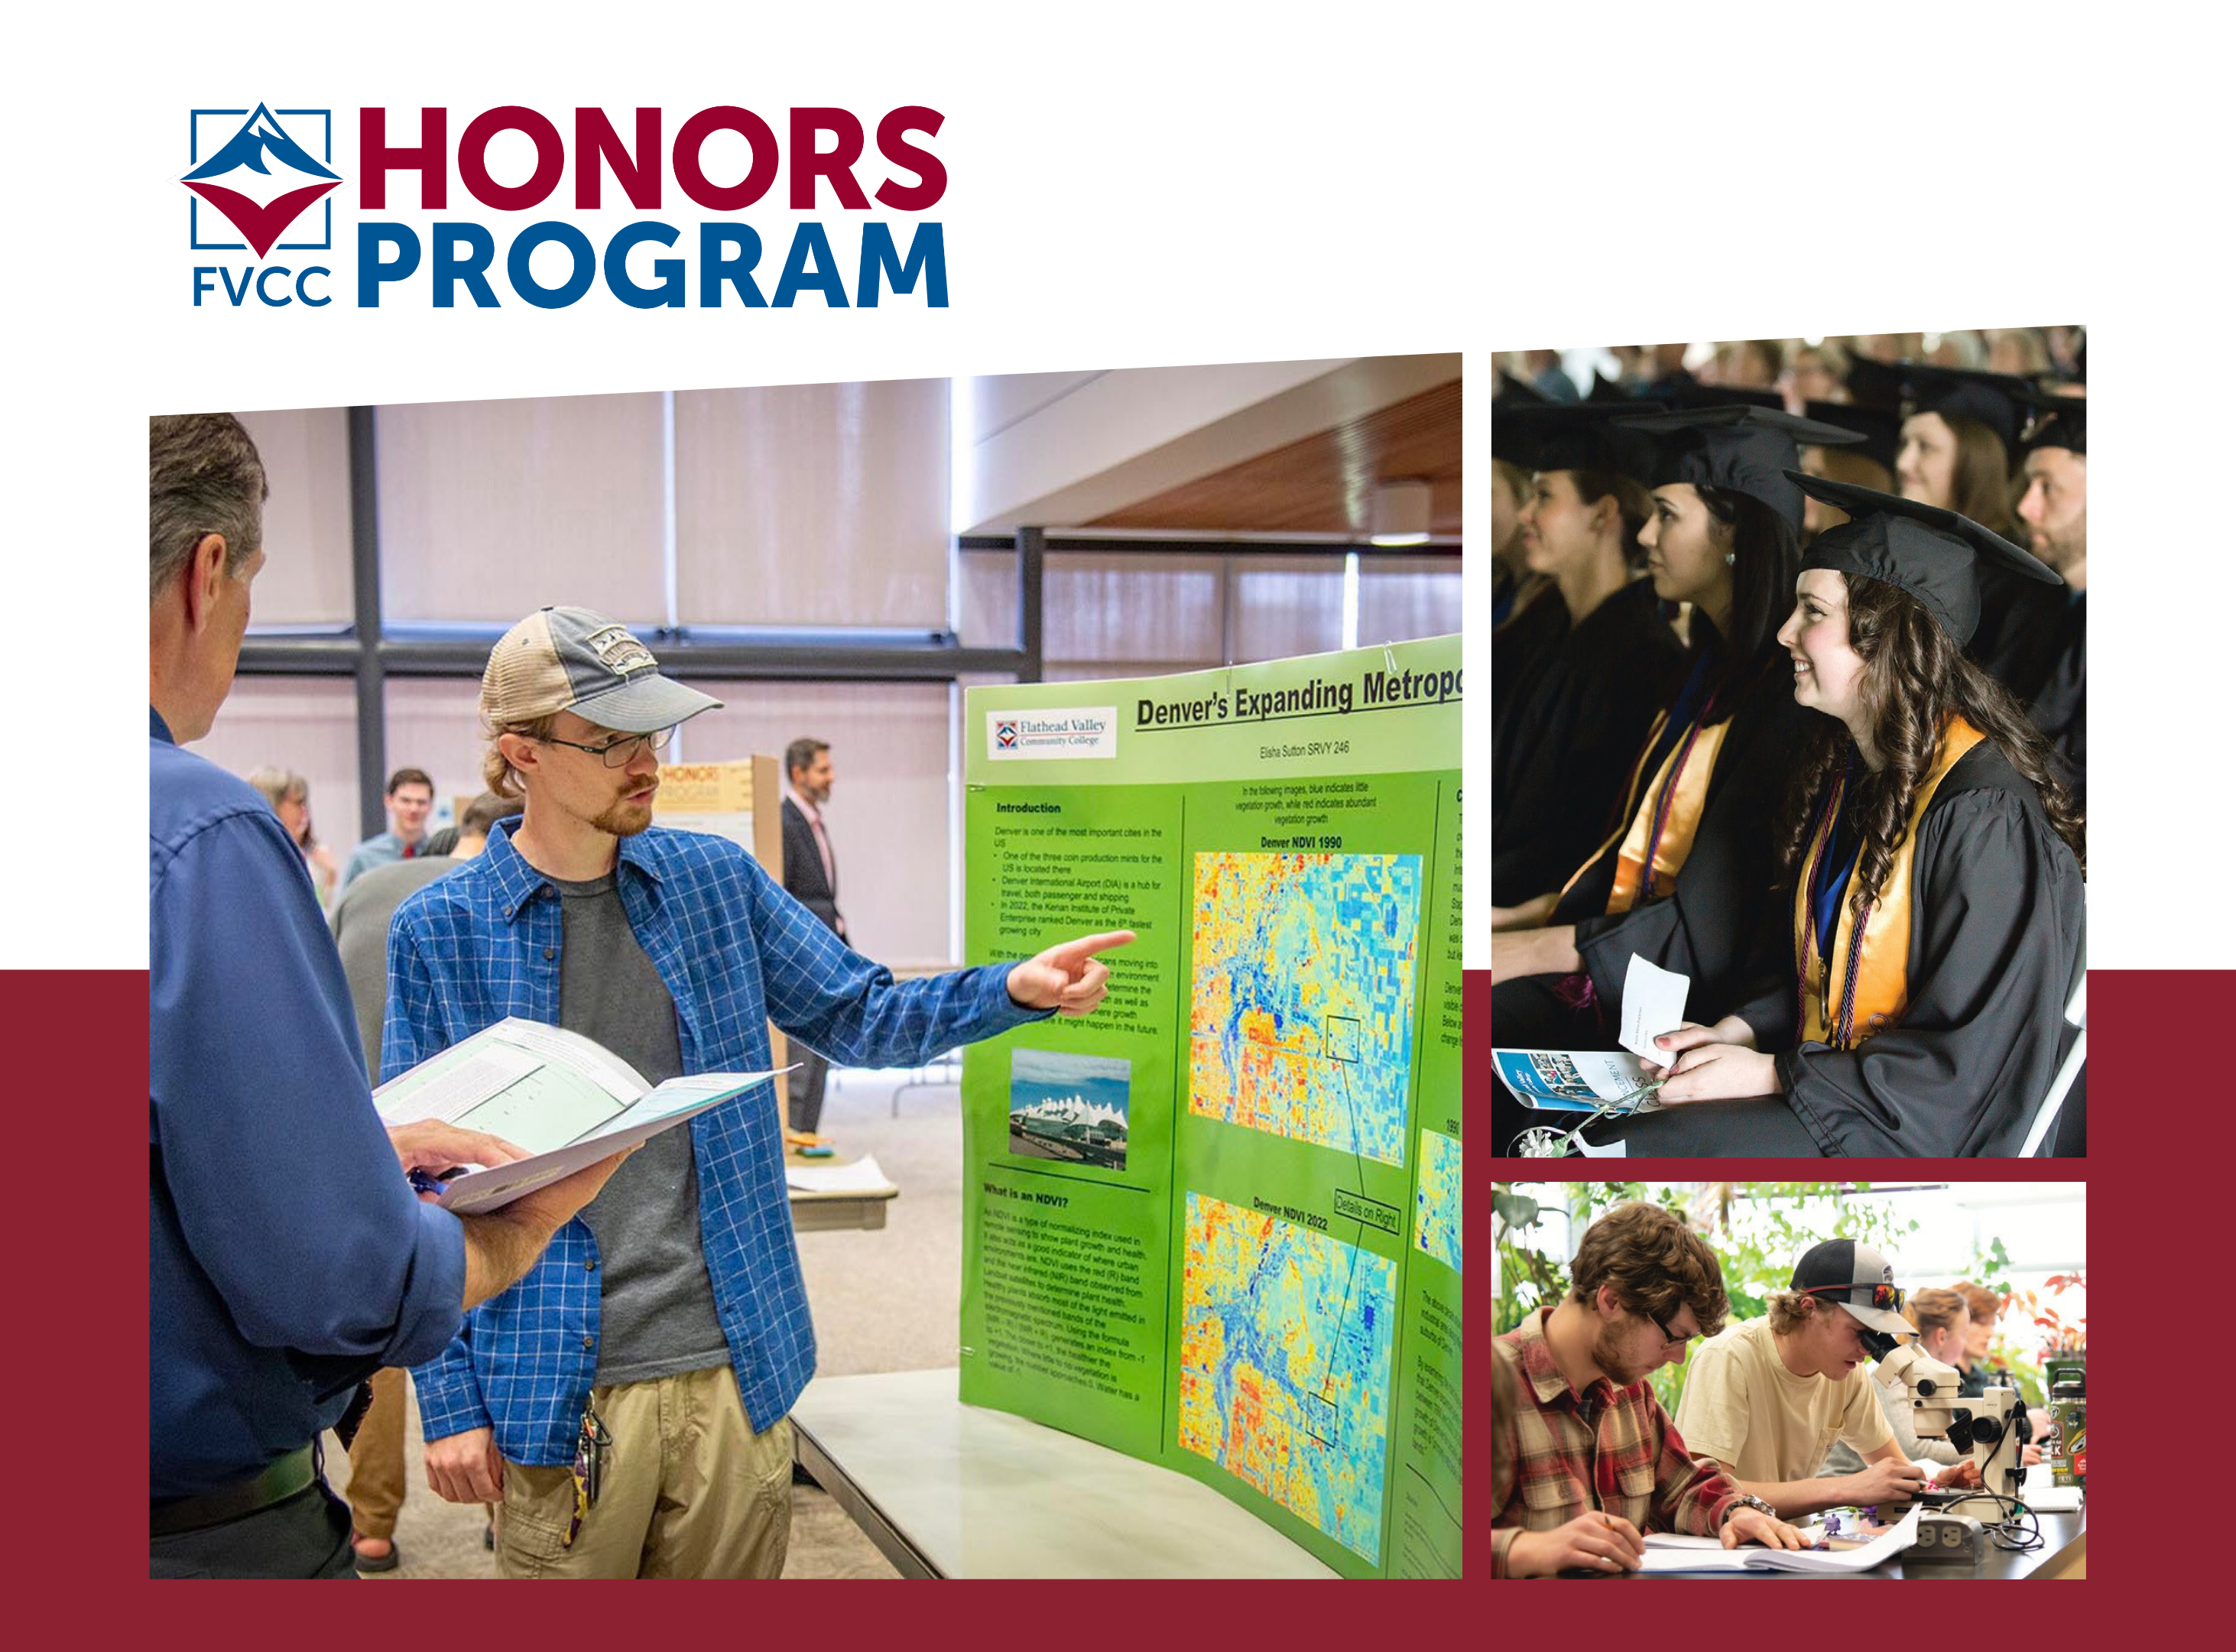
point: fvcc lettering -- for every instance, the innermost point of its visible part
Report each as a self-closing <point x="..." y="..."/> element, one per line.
<point x="821" y="162"/>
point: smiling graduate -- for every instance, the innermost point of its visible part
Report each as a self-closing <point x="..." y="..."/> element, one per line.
<point x="1935" y="863"/>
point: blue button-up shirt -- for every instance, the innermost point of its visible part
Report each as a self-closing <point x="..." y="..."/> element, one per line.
<point x="287" y="1256"/>
<point x="735" y="952"/>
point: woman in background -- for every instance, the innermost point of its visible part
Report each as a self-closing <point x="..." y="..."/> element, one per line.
<point x="289" y="794"/>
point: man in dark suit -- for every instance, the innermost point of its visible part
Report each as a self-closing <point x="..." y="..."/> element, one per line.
<point x="810" y="875"/>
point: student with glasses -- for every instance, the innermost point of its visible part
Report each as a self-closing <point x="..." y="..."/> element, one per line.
<point x="1767" y="1398"/>
<point x="626" y="1404"/>
<point x="1594" y="1460"/>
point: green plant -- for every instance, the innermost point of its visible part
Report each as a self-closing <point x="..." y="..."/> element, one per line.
<point x="2060" y="1334"/>
<point x="1754" y="1228"/>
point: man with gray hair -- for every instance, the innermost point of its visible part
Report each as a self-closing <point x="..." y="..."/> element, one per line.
<point x="288" y="1257"/>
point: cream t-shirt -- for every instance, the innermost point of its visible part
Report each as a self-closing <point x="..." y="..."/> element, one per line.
<point x="1742" y="1406"/>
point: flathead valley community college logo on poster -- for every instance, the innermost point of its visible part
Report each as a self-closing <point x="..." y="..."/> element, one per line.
<point x="260" y="180"/>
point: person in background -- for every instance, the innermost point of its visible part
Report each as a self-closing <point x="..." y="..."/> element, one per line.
<point x="1595" y="1462"/>
<point x="1512" y="583"/>
<point x="1985" y="1308"/>
<point x="410" y="795"/>
<point x="1567" y="726"/>
<point x="289" y="794"/>
<point x="2017" y="351"/>
<point x="811" y="876"/>
<point x="288" y="1258"/>
<point x="1814" y="373"/>
<point x="360" y="922"/>
<point x="2054" y="509"/>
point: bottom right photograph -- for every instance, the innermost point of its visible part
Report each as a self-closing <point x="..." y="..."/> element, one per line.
<point x="1789" y="1379"/>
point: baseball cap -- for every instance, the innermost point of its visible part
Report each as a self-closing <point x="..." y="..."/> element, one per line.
<point x="569" y="659"/>
<point x="1858" y="1278"/>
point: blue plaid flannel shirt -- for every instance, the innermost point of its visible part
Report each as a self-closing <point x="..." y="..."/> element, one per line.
<point x="735" y="952"/>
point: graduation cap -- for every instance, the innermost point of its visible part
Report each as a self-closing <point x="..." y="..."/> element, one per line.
<point x="1749" y="450"/>
<point x="1989" y="398"/>
<point x="1572" y="436"/>
<point x="1512" y="390"/>
<point x="1607" y="390"/>
<point x="2056" y="421"/>
<point x="1699" y="395"/>
<point x="1935" y="554"/>
<point x="1879" y="427"/>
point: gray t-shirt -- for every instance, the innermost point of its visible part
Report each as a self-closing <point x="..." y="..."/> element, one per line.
<point x="656" y="1302"/>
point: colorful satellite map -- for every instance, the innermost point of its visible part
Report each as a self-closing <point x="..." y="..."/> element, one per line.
<point x="1301" y="1012"/>
<point x="1436" y="1202"/>
<point x="1285" y="1364"/>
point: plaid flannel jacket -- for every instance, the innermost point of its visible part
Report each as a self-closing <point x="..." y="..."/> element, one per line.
<point x="1611" y="1449"/>
<point x="735" y="952"/>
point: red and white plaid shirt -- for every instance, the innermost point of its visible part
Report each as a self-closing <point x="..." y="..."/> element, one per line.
<point x="1610" y="1449"/>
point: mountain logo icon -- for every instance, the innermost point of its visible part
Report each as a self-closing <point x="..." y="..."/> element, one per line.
<point x="260" y="178"/>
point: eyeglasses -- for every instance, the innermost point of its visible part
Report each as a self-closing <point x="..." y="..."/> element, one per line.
<point x="1669" y="1336"/>
<point x="1888" y="1296"/>
<point x="619" y="751"/>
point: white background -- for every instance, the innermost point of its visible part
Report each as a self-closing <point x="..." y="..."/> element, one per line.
<point x="1153" y="184"/>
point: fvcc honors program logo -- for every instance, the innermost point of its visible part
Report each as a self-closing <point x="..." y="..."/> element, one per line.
<point x="261" y="180"/>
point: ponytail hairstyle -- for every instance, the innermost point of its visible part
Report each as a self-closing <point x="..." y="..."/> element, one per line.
<point x="1631" y="498"/>
<point x="1916" y="678"/>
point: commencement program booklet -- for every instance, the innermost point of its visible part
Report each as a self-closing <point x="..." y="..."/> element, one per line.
<point x="566" y="1099"/>
<point x="1573" y="1081"/>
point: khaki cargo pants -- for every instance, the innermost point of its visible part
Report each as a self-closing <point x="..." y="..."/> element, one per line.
<point x="689" y="1491"/>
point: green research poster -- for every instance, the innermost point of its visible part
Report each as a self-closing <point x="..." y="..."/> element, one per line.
<point x="1216" y="1224"/>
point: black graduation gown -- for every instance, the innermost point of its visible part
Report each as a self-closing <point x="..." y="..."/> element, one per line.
<point x="1539" y="623"/>
<point x="1725" y="909"/>
<point x="2061" y="708"/>
<point x="1995" y="934"/>
<point x="2017" y="639"/>
<point x="1563" y="740"/>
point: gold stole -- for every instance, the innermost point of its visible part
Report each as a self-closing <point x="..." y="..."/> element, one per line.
<point x="1867" y="983"/>
<point x="1692" y="760"/>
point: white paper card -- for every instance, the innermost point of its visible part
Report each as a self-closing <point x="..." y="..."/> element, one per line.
<point x="1652" y="1004"/>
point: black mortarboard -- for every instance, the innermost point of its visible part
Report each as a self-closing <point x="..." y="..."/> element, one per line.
<point x="2056" y="421"/>
<point x="1510" y="389"/>
<point x="1874" y="383"/>
<point x="1880" y="428"/>
<point x="1572" y="436"/>
<point x="1988" y="398"/>
<point x="1607" y="390"/>
<point x="1749" y="450"/>
<point x="1696" y="395"/>
<point x="1932" y="554"/>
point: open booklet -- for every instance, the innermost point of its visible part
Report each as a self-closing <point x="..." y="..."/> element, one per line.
<point x="1672" y="1552"/>
<point x="567" y="1101"/>
<point x="1575" y="1081"/>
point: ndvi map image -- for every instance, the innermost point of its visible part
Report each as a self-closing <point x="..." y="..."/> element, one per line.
<point x="1300" y="1007"/>
<point x="1285" y="1364"/>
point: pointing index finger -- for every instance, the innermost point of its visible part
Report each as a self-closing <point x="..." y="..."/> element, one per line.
<point x="1071" y="954"/>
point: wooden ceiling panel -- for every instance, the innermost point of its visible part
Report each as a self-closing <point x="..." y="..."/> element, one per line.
<point x="1324" y="484"/>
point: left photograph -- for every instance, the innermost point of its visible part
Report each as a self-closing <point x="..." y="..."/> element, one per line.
<point x="810" y="971"/>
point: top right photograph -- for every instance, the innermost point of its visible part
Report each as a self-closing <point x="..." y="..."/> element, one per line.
<point x="1789" y="746"/>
